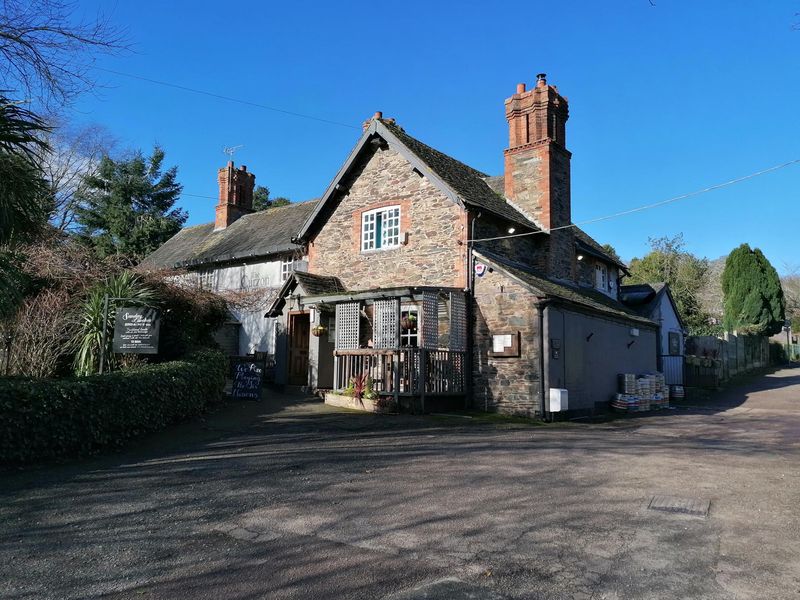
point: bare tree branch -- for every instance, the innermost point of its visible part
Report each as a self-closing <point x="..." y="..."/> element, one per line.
<point x="46" y="54"/>
<point x="74" y="153"/>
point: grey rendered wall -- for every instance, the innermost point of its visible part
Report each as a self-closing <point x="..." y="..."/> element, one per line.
<point x="281" y="350"/>
<point x="593" y="350"/>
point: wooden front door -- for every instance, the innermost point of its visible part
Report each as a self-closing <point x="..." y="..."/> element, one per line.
<point x="299" y="330"/>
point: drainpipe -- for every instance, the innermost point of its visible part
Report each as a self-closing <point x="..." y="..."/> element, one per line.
<point x="470" y="266"/>
<point x="541" y="306"/>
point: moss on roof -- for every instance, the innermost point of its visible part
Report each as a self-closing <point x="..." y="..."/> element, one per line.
<point x="254" y="235"/>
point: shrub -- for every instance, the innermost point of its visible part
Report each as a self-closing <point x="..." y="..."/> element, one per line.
<point x="42" y="419"/>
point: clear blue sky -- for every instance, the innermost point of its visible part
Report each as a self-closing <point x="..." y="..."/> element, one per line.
<point x="664" y="99"/>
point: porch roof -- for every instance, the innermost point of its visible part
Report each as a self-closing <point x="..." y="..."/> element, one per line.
<point x="375" y="294"/>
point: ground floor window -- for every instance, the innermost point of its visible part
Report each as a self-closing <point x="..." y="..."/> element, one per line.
<point x="409" y="326"/>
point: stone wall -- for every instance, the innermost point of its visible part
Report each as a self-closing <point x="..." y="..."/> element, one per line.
<point x="529" y="250"/>
<point x="432" y="226"/>
<point x="505" y="384"/>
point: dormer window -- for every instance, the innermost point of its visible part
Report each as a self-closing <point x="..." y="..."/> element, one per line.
<point x="380" y="228"/>
<point x="601" y="277"/>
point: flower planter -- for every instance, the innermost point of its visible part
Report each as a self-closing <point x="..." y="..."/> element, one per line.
<point x="377" y="405"/>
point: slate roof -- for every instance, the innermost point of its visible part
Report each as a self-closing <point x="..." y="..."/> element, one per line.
<point x="590" y="245"/>
<point x="313" y="285"/>
<point x="580" y="296"/>
<point x="644" y="298"/>
<point x="317" y="285"/>
<point x="470" y="184"/>
<point x="254" y="235"/>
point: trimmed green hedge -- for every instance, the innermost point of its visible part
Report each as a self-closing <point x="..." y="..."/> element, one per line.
<point x="44" y="419"/>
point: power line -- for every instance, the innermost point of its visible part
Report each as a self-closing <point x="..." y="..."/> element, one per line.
<point x="228" y="98"/>
<point x="649" y="206"/>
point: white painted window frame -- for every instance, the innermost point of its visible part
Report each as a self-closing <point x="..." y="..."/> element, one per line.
<point x="287" y="268"/>
<point x="389" y="217"/>
<point x="601" y="277"/>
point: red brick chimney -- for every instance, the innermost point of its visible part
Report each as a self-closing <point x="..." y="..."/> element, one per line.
<point x="537" y="166"/>
<point x="235" y="194"/>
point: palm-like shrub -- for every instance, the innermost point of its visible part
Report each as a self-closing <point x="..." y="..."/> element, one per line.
<point x="125" y="285"/>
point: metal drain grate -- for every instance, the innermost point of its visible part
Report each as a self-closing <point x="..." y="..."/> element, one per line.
<point x="685" y="506"/>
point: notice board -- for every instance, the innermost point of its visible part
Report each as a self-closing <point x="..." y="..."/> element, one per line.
<point x="136" y="330"/>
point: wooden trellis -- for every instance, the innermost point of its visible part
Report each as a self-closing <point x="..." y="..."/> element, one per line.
<point x="430" y="320"/>
<point x="348" y="316"/>
<point x="385" y="325"/>
<point x="458" y="322"/>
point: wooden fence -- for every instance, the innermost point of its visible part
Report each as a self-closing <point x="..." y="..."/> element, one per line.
<point x="711" y="361"/>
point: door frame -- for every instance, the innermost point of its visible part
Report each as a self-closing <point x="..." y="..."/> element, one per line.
<point x="291" y="315"/>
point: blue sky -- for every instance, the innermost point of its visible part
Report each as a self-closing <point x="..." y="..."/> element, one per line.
<point x="664" y="99"/>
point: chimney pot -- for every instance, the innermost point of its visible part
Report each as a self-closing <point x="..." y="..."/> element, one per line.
<point x="541" y="79"/>
<point x="378" y="115"/>
<point x="520" y="88"/>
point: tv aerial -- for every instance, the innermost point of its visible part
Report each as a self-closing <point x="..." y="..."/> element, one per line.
<point x="230" y="150"/>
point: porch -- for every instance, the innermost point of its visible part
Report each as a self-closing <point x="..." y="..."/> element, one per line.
<point x="411" y="343"/>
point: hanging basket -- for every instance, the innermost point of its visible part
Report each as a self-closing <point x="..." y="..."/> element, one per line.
<point x="318" y="330"/>
<point x="408" y="323"/>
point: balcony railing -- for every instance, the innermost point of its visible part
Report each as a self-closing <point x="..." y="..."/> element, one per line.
<point x="404" y="371"/>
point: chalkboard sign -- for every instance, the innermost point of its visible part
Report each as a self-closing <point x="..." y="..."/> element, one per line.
<point x="248" y="375"/>
<point x="136" y="330"/>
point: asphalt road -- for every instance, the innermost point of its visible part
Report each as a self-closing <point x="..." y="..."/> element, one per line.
<point x="291" y="499"/>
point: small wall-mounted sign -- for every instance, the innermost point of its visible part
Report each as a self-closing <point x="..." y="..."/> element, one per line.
<point x="136" y="330"/>
<point x="505" y="344"/>
<point x="480" y="269"/>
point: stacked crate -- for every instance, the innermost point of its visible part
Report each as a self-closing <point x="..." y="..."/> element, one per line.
<point x="639" y="393"/>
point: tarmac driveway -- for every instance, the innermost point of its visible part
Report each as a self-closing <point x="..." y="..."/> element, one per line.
<point x="293" y="499"/>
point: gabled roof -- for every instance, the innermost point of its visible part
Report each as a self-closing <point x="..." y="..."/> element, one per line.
<point x="580" y="297"/>
<point x="459" y="182"/>
<point x="644" y="298"/>
<point x="255" y="235"/>
<point x="309" y="284"/>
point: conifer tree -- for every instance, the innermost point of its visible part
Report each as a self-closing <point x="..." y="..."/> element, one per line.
<point x="753" y="297"/>
<point x="128" y="206"/>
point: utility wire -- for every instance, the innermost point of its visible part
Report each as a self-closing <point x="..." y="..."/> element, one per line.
<point x="228" y="98"/>
<point x="648" y="206"/>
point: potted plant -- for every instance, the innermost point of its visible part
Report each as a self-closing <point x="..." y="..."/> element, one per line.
<point x="408" y="322"/>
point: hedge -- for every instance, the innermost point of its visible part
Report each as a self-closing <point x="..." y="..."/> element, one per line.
<point x="45" y="419"/>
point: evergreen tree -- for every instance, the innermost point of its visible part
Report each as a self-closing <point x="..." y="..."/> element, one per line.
<point x="23" y="194"/>
<point x="262" y="201"/>
<point x="753" y="297"/>
<point x="127" y="206"/>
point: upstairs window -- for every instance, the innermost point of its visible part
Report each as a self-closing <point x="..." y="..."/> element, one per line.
<point x="380" y="228"/>
<point x="206" y="279"/>
<point x="601" y="277"/>
<point x="287" y="268"/>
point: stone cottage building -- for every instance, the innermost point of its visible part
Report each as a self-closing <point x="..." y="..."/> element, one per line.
<point x="449" y="286"/>
<point x="244" y="255"/>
